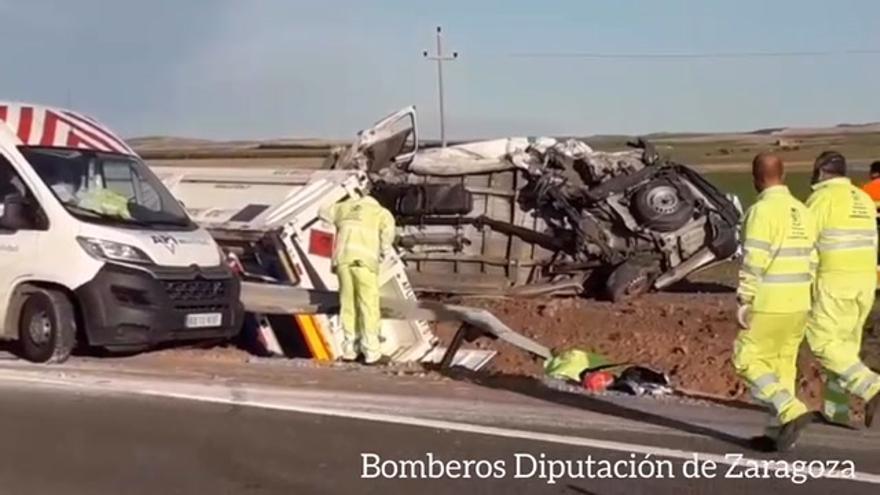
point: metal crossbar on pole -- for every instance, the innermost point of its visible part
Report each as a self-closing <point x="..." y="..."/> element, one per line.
<point x="440" y="58"/>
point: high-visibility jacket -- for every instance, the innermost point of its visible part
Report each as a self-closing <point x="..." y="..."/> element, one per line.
<point x="364" y="230"/>
<point x="845" y="221"/>
<point x="776" y="272"/>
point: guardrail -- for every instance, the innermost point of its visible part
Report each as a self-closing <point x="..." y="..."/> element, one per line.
<point x="284" y="299"/>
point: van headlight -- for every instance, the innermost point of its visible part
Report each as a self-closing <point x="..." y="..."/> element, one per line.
<point x="105" y="250"/>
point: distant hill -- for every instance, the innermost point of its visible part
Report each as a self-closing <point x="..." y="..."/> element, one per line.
<point x="838" y="129"/>
<point x="859" y="142"/>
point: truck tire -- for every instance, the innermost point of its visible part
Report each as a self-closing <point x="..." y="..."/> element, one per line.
<point x="631" y="279"/>
<point x="47" y="327"/>
<point x="663" y="205"/>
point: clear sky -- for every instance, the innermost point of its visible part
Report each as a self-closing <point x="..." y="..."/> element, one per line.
<point x="290" y="68"/>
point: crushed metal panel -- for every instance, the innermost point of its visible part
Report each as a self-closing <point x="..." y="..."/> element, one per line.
<point x="266" y="298"/>
<point x="471" y="158"/>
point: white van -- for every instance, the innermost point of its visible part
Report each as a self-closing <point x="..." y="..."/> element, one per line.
<point x="94" y="247"/>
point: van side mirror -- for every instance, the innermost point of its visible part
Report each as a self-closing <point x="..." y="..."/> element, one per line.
<point x="16" y="214"/>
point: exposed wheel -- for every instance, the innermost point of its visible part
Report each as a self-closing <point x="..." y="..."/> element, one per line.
<point x="47" y="327"/>
<point x="630" y="280"/>
<point x="663" y="205"/>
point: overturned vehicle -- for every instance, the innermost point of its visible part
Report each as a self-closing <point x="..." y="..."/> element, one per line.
<point x="542" y="216"/>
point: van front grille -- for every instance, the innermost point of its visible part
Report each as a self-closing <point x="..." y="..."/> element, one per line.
<point x="194" y="291"/>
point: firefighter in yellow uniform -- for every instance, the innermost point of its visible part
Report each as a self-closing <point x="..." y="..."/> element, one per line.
<point x="845" y="283"/>
<point x="364" y="231"/>
<point x="774" y="299"/>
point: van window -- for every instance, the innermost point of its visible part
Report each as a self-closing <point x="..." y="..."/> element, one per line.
<point x="122" y="178"/>
<point x="119" y="178"/>
<point x="107" y="188"/>
<point x="12" y="184"/>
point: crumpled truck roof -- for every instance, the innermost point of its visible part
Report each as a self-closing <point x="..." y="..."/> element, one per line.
<point x="469" y="158"/>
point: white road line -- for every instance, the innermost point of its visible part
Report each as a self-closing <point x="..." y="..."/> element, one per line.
<point x="491" y="430"/>
<point x="409" y="421"/>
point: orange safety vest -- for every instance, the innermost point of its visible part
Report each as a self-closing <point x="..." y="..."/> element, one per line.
<point x="873" y="190"/>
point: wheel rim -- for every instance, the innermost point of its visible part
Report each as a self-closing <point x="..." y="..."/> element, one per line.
<point x="40" y="328"/>
<point x="663" y="199"/>
<point x="636" y="286"/>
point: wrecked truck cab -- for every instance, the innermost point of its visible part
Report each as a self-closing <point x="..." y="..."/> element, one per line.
<point x="542" y="216"/>
<point x="94" y="245"/>
<point x="391" y="142"/>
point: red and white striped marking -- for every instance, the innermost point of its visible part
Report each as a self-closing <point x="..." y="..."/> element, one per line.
<point x="52" y="127"/>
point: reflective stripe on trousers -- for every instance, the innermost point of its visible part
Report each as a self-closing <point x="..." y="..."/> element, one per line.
<point x="765" y="356"/>
<point x="862" y="386"/>
<point x="360" y="310"/>
<point x="760" y="391"/>
<point x="840" y="310"/>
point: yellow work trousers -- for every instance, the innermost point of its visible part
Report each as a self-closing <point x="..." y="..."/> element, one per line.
<point x="765" y="356"/>
<point x="834" y="331"/>
<point x="359" y="309"/>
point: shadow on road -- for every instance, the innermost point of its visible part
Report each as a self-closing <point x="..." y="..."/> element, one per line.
<point x="534" y="388"/>
<point x="579" y="490"/>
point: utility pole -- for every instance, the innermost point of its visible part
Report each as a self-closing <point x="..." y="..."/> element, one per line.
<point x="440" y="58"/>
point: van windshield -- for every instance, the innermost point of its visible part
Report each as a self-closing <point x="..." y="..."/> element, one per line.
<point x="107" y="187"/>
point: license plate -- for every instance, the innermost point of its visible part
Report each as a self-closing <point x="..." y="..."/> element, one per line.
<point x="204" y="320"/>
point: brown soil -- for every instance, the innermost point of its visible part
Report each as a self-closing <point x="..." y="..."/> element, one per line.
<point x="688" y="336"/>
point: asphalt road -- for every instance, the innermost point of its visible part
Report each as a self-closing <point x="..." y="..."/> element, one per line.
<point x="75" y="442"/>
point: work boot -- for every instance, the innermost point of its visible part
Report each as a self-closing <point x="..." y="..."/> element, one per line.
<point x="790" y="431"/>
<point x="835" y="422"/>
<point x="872" y="407"/>
<point x="763" y="443"/>
<point x="350" y="358"/>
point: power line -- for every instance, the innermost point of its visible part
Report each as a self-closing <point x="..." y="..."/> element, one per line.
<point x="702" y="55"/>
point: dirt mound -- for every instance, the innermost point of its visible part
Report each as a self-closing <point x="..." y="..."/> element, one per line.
<point x="688" y="336"/>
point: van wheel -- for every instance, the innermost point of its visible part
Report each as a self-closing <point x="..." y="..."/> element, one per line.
<point x="631" y="279"/>
<point x="663" y="205"/>
<point x="47" y="327"/>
